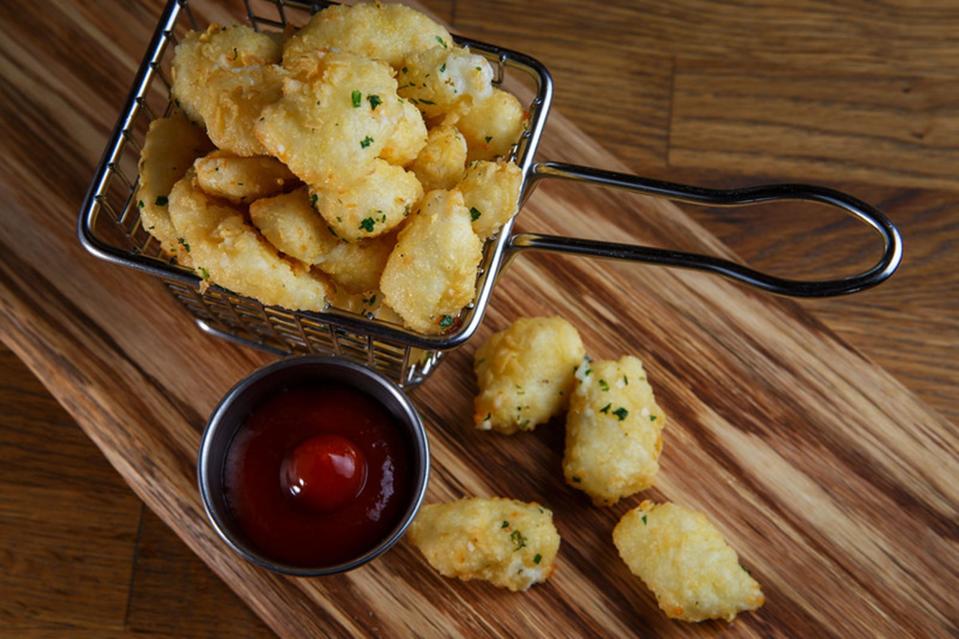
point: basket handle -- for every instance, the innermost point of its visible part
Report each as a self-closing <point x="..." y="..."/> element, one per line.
<point x="887" y="265"/>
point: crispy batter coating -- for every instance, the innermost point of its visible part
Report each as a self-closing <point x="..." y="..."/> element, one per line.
<point x="334" y="121"/>
<point x="293" y="226"/>
<point x="371" y="205"/>
<point x="507" y="542"/>
<point x="441" y="164"/>
<point x="229" y="252"/>
<point x="445" y="80"/>
<point x="684" y="559"/>
<point x="171" y="145"/>
<point x="387" y="32"/>
<point x="223" y="78"/>
<point x="241" y="180"/>
<point x="431" y="274"/>
<point x="613" y="431"/>
<point x="408" y="138"/>
<point x="493" y="125"/>
<point x="525" y="374"/>
<point x="491" y="193"/>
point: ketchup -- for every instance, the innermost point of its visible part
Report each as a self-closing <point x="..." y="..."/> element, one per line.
<point x="318" y="475"/>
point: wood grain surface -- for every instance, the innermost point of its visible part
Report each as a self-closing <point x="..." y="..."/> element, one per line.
<point x="833" y="476"/>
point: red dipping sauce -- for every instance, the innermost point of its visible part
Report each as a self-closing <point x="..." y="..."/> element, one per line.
<point x="318" y="475"/>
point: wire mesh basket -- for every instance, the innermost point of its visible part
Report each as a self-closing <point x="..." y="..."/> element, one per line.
<point x="110" y="228"/>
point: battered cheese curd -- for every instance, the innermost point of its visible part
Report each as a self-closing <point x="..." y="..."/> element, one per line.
<point x="241" y="180"/>
<point x="525" y="374"/>
<point x="509" y="543"/>
<point x="613" y="431"/>
<point x="684" y="559"/>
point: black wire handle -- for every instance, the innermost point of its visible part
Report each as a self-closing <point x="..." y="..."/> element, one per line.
<point x="887" y="265"/>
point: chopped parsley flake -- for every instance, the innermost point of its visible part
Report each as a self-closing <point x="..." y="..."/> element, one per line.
<point x="625" y="381"/>
<point x="478" y="69"/>
<point x="644" y="520"/>
<point x="205" y="274"/>
<point x="313" y="198"/>
<point x="446" y="321"/>
<point x="488" y="138"/>
<point x="621" y="413"/>
<point x="605" y="409"/>
<point x="442" y="42"/>
<point x="367" y="224"/>
<point x="374" y="101"/>
<point x="161" y="200"/>
<point x="140" y="204"/>
<point x="603" y="385"/>
<point x="537" y="558"/>
<point x="443" y="68"/>
<point x="475" y="213"/>
<point x="518" y="540"/>
<point x="505" y="524"/>
<point x="357" y="98"/>
<point x="652" y="418"/>
<point x="365" y="142"/>
<point x="183" y="243"/>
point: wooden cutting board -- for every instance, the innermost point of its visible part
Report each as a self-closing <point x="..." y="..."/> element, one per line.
<point x="837" y="487"/>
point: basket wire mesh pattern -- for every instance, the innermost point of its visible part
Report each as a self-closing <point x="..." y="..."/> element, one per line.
<point x="110" y="225"/>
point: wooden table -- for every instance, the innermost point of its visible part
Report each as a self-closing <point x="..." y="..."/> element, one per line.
<point x="854" y="96"/>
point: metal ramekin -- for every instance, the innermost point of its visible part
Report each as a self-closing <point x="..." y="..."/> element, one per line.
<point x="231" y="413"/>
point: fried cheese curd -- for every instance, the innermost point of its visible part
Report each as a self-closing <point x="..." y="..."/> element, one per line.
<point x="491" y="193"/>
<point x="387" y="32"/>
<point x="525" y="374"/>
<point x="292" y="225"/>
<point x="445" y="80"/>
<point x="613" y="431"/>
<point x="441" y="164"/>
<point x="684" y="559"/>
<point x="509" y="543"/>
<point x="230" y="252"/>
<point x="171" y="145"/>
<point x="431" y="274"/>
<point x="223" y="78"/>
<point x="493" y="125"/>
<point x="242" y="180"/>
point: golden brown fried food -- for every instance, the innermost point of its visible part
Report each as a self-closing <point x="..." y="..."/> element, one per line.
<point x="613" y="431"/>
<point x="507" y="542"/>
<point x="330" y="127"/>
<point x="493" y="125"/>
<point x="441" y="164"/>
<point x="408" y="138"/>
<point x="431" y="274"/>
<point x="229" y="252"/>
<point x="171" y="145"/>
<point x="682" y="557"/>
<point x="491" y="193"/>
<point x="371" y="205"/>
<point x="242" y="180"/>
<point x="387" y="32"/>
<point x="525" y="374"/>
<point x="223" y="78"/>
<point x="445" y="80"/>
<point x="292" y="225"/>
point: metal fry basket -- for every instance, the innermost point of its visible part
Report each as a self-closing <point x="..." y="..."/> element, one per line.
<point x="109" y="222"/>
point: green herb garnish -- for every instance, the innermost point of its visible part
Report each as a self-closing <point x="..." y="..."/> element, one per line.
<point x="505" y="524"/>
<point x="475" y="213"/>
<point x="443" y="68"/>
<point x="365" y="142"/>
<point x="183" y="243"/>
<point x="205" y="274"/>
<point x="446" y="321"/>
<point x="518" y="540"/>
<point x="537" y="558"/>
<point x="313" y="198"/>
<point x="644" y="520"/>
<point x="621" y="413"/>
<point x="605" y="409"/>
<point x="442" y="42"/>
<point x="161" y="200"/>
<point x="374" y="101"/>
<point x="367" y="224"/>
<point x="488" y="138"/>
<point x="652" y="418"/>
<point x="357" y="98"/>
<point x="603" y="385"/>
